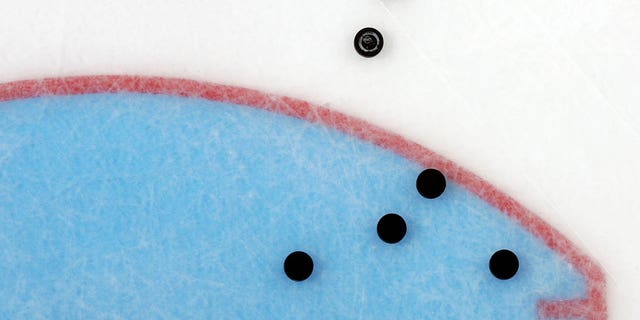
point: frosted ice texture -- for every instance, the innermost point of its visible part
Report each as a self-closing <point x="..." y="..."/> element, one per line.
<point x="142" y="206"/>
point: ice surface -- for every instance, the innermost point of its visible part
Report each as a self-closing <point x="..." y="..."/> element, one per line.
<point x="539" y="97"/>
<point x="144" y="206"/>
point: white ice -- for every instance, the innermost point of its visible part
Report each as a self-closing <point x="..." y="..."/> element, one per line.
<point x="539" y="97"/>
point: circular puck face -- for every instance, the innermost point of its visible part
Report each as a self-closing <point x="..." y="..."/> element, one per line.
<point x="504" y="264"/>
<point x="391" y="228"/>
<point x="298" y="266"/>
<point x="368" y="42"/>
<point x="431" y="183"/>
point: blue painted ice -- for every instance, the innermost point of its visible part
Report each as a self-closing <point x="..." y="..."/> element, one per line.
<point x="133" y="206"/>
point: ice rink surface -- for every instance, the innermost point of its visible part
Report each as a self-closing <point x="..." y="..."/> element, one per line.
<point x="538" y="97"/>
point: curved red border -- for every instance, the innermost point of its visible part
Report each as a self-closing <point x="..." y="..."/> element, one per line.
<point x="592" y="308"/>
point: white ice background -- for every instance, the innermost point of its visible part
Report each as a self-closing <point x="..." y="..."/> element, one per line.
<point x="540" y="97"/>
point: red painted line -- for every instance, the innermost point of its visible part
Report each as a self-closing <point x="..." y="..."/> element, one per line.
<point x="593" y="307"/>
